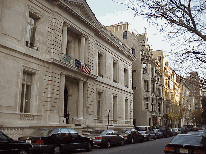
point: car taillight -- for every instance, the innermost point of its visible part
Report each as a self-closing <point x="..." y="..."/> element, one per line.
<point x="125" y="135"/>
<point x="197" y="151"/>
<point x="40" y="142"/>
<point x="98" y="138"/>
<point x="169" y="148"/>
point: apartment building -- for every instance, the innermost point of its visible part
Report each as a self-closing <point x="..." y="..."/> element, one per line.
<point x="146" y="77"/>
<point x="61" y="67"/>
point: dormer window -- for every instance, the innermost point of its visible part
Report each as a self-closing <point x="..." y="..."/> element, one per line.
<point x="125" y="35"/>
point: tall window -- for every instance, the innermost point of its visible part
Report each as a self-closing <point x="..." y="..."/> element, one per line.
<point x="152" y="104"/>
<point x="168" y="83"/>
<point x="126" y="109"/>
<point x="31" y="30"/>
<point x="114" y="108"/>
<point x="146" y="103"/>
<point x="153" y="87"/>
<point x="144" y="68"/>
<point x="26" y="93"/>
<point x="125" y="35"/>
<point x="159" y="107"/>
<point x="99" y="102"/>
<point x="158" y="92"/>
<point x="133" y="51"/>
<point x="126" y="77"/>
<point x="146" y="85"/>
<point x="100" y="68"/>
<point x="115" y="65"/>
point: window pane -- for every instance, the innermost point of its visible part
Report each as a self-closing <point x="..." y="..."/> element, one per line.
<point x="29" y="78"/>
<point x="22" y="98"/>
<point x="98" y="109"/>
<point x="72" y="131"/>
<point x="3" y="138"/>
<point x="27" y="99"/>
<point x="64" y="130"/>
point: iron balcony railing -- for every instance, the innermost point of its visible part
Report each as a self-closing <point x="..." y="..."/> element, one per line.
<point x="75" y="63"/>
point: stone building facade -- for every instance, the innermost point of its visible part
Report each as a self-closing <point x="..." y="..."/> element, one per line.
<point x="61" y="67"/>
<point x="147" y="77"/>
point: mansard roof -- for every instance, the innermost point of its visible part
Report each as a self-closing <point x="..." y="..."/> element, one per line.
<point x="81" y="10"/>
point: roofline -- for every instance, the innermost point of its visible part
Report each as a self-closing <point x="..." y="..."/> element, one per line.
<point x="98" y="30"/>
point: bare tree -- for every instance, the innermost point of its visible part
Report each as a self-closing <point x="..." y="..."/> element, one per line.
<point x="183" y="13"/>
<point x="184" y="23"/>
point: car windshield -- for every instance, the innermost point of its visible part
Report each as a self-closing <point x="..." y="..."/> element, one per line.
<point x="127" y="132"/>
<point x="41" y="132"/>
<point x="187" y="140"/>
<point x="97" y="132"/>
<point x="175" y="129"/>
<point x="124" y="131"/>
<point x="107" y="132"/>
<point x="141" y="128"/>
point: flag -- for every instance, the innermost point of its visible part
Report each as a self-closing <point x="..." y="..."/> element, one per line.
<point x="86" y="69"/>
<point x="77" y="63"/>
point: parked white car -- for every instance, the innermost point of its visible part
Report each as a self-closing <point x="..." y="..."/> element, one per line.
<point x="145" y="131"/>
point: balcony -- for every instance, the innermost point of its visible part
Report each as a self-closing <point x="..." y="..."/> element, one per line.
<point x="72" y="63"/>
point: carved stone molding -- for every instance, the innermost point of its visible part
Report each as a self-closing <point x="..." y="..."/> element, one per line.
<point x="35" y="11"/>
<point x="29" y="69"/>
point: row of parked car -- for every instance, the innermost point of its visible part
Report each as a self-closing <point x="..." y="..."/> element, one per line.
<point x="191" y="141"/>
<point x="59" y="140"/>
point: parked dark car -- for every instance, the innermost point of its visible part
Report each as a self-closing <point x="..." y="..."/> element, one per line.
<point x="10" y="146"/>
<point x="186" y="144"/>
<point x="57" y="140"/>
<point x="198" y="133"/>
<point x="107" y="138"/>
<point x="159" y="134"/>
<point x="153" y="135"/>
<point x="166" y="132"/>
<point x="174" y="131"/>
<point x="131" y="136"/>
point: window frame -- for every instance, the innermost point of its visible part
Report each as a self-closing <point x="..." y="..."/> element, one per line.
<point x="125" y="35"/>
<point x="24" y="84"/>
<point x="146" y="85"/>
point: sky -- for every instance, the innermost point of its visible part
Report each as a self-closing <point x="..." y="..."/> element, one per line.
<point x="109" y="13"/>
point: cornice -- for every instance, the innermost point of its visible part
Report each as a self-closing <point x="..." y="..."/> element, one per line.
<point x="42" y="6"/>
<point x="97" y="27"/>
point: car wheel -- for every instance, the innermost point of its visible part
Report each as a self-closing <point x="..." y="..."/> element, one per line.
<point x="89" y="146"/>
<point x="56" y="150"/>
<point x="22" y="151"/>
<point x="122" y="142"/>
<point x="132" y="141"/>
<point x="108" y="144"/>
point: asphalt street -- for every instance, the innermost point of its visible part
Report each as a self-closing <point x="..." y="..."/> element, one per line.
<point x="147" y="147"/>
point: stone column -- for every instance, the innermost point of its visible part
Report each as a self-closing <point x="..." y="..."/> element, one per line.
<point x="80" y="103"/>
<point x="82" y="49"/>
<point x="64" y="40"/>
<point x="61" y="103"/>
